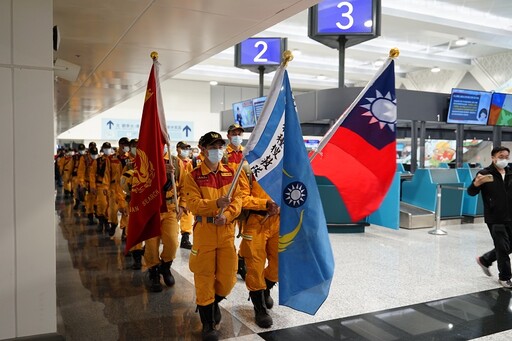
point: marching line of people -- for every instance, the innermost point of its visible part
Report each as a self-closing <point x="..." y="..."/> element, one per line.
<point x="100" y="182"/>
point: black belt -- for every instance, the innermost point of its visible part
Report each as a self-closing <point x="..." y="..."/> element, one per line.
<point x="208" y="219"/>
<point x="261" y="213"/>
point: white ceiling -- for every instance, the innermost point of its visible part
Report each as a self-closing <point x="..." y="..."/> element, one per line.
<point x="111" y="41"/>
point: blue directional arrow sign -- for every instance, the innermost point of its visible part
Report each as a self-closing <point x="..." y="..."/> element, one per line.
<point x="110" y="124"/>
<point x="187" y="130"/>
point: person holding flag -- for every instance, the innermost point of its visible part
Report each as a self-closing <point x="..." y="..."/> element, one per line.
<point x="259" y="246"/>
<point x="213" y="258"/>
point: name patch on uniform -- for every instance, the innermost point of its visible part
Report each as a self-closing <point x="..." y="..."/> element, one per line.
<point x="202" y="177"/>
<point x="226" y="174"/>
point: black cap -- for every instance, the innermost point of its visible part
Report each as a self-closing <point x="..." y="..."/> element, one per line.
<point x="235" y="126"/>
<point x="92" y="144"/>
<point x="133" y="142"/>
<point x="124" y="141"/>
<point x="182" y="145"/>
<point x="210" y="138"/>
<point x="81" y="146"/>
<point x="93" y="150"/>
<point x="106" y="145"/>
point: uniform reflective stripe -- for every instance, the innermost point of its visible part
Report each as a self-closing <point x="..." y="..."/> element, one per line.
<point x="246" y="236"/>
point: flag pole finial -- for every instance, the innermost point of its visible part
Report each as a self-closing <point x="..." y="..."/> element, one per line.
<point x="154" y="55"/>
<point x="394" y="52"/>
<point x="287" y="57"/>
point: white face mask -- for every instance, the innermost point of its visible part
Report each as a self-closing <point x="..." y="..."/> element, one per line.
<point x="82" y="152"/>
<point x="215" y="155"/>
<point x="126" y="149"/>
<point x="236" y="140"/>
<point x="94" y="156"/>
<point x="134" y="150"/>
<point x="107" y="151"/>
<point x="195" y="154"/>
<point x="501" y="163"/>
<point x="185" y="153"/>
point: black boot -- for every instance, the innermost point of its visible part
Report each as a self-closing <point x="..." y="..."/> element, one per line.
<point x="206" y="313"/>
<point x="217" y="317"/>
<point x="241" y="268"/>
<point x="165" y="271"/>
<point x="112" y="229"/>
<point x="123" y="234"/>
<point x="153" y="279"/>
<point x="77" y="204"/>
<point x="101" y="224"/>
<point x="262" y="317"/>
<point x="90" y="219"/>
<point x="269" y="302"/>
<point x="137" y="259"/>
<point x="185" y="242"/>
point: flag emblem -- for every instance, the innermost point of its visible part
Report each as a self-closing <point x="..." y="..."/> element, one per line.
<point x="143" y="173"/>
<point x="382" y="110"/>
<point x="295" y="194"/>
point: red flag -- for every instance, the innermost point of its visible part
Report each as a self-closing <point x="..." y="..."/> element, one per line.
<point x="359" y="157"/>
<point x="149" y="178"/>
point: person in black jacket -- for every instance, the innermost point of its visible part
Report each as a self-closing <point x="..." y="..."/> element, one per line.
<point x="495" y="184"/>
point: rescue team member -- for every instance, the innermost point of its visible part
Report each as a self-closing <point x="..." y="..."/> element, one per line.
<point x="78" y="175"/>
<point x="183" y="150"/>
<point x="260" y="237"/>
<point x="116" y="197"/>
<point x="100" y="182"/>
<point x="160" y="263"/>
<point x="66" y="171"/>
<point x="213" y="258"/>
<point x="233" y="156"/>
<point x="197" y="157"/>
<point x="90" y="198"/>
<point x="137" y="251"/>
<point x="234" y="150"/>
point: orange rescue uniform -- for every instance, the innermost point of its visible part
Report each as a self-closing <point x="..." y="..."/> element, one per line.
<point x="213" y="258"/>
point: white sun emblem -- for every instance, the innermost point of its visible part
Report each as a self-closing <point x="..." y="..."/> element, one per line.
<point x="382" y="110"/>
<point x="295" y="194"/>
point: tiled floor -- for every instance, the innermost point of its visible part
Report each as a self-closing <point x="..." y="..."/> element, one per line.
<point x="388" y="285"/>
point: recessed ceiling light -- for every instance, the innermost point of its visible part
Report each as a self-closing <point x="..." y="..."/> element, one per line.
<point x="296" y="52"/>
<point x="378" y="63"/>
<point x="461" y="42"/>
<point x="321" y="77"/>
<point x="214" y="83"/>
<point x="435" y="69"/>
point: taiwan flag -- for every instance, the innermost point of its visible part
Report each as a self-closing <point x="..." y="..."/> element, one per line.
<point x="149" y="177"/>
<point x="358" y="154"/>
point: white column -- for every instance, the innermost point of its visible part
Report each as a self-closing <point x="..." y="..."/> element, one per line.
<point x="27" y="233"/>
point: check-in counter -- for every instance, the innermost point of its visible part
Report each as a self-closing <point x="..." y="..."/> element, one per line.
<point x="421" y="191"/>
<point x="471" y="206"/>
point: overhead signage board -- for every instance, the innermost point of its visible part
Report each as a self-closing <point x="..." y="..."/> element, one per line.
<point x="114" y="129"/>
<point x="260" y="53"/>
<point x="353" y="21"/>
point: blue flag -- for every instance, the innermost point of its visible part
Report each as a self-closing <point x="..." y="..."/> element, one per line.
<point x="280" y="163"/>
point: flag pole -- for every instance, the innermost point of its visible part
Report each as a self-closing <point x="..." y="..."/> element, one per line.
<point x="287" y="57"/>
<point x="393" y="53"/>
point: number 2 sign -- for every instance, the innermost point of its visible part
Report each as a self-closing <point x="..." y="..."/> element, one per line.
<point x="259" y="52"/>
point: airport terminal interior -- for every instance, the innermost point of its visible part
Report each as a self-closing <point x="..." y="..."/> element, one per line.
<point x="408" y="271"/>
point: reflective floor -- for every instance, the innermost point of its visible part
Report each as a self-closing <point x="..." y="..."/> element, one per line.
<point x="388" y="285"/>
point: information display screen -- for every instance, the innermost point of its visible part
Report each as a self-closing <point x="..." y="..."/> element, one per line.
<point x="243" y="113"/>
<point x="501" y="110"/>
<point x="469" y="107"/>
<point x="258" y="104"/>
